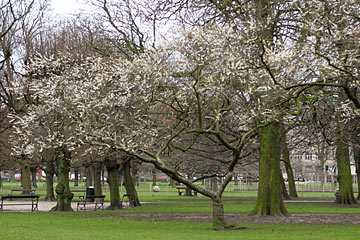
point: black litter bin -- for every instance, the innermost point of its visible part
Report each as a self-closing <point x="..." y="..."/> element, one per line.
<point x="90" y="191"/>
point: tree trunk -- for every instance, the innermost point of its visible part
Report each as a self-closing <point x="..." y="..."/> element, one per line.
<point x="284" y="192"/>
<point x="97" y="178"/>
<point x="345" y="194"/>
<point x="218" y="218"/>
<point x="154" y="177"/>
<point x="119" y="176"/>
<point x="50" y="172"/>
<point x="89" y="176"/>
<point x="76" y="177"/>
<point x="357" y="165"/>
<point x="129" y="185"/>
<point x="33" y="171"/>
<point x="1" y="183"/>
<point x="269" y="200"/>
<point x="25" y="177"/>
<point x="172" y="183"/>
<point x="286" y="160"/>
<point x="64" y="195"/>
<point x="134" y="174"/>
<point x="213" y="184"/>
<point x="112" y="169"/>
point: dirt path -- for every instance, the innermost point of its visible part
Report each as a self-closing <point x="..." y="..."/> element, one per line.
<point x="299" y="219"/>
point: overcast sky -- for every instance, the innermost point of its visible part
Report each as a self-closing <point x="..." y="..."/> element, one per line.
<point x="65" y="7"/>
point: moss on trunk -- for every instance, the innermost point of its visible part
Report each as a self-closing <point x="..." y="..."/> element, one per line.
<point x="284" y="192"/>
<point x="129" y="185"/>
<point x="218" y="219"/>
<point x="269" y="200"/>
<point x="112" y="169"/>
<point x="346" y="194"/>
<point x="64" y="195"/>
<point x="50" y="172"/>
<point x="286" y="159"/>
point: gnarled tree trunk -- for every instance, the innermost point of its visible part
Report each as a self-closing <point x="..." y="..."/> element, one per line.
<point x="64" y="195"/>
<point x="269" y="200"/>
<point x="50" y="172"/>
<point x="218" y="218"/>
<point x="129" y="185"/>
<point x="25" y="177"/>
<point x="97" y="178"/>
<point x="112" y="169"/>
<point x="286" y="159"/>
<point x="76" y="177"/>
<point x="357" y="165"/>
<point x="33" y="171"/>
<point x="345" y="194"/>
<point x="89" y="176"/>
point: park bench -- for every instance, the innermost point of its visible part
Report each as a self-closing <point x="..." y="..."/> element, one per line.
<point x="80" y="194"/>
<point x="96" y="200"/>
<point x="184" y="188"/>
<point x="34" y="201"/>
<point x="23" y="191"/>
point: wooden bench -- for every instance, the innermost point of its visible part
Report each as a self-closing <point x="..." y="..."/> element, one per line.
<point x="96" y="200"/>
<point x="34" y="201"/>
<point x="80" y="194"/>
<point x="23" y="191"/>
<point x="184" y="188"/>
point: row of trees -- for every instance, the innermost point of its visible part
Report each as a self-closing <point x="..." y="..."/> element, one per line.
<point x="235" y="79"/>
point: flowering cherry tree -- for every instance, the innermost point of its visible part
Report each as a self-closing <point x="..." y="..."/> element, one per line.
<point x="205" y="84"/>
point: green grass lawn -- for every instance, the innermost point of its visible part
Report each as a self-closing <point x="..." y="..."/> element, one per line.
<point x="82" y="226"/>
<point x="112" y="225"/>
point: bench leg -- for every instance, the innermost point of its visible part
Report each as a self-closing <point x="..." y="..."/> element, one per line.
<point x="81" y="206"/>
<point x="99" y="206"/>
<point x="180" y="193"/>
<point x="34" y="205"/>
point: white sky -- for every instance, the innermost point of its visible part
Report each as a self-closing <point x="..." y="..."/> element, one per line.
<point x="65" y="7"/>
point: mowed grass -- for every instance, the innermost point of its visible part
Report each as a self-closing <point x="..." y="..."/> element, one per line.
<point x="91" y="226"/>
<point x="113" y="225"/>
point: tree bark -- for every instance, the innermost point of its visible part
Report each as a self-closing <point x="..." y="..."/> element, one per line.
<point x="345" y="194"/>
<point x="97" y="178"/>
<point x="284" y="192"/>
<point x="269" y="200"/>
<point x="286" y="160"/>
<point x="89" y="176"/>
<point x="130" y="187"/>
<point x="218" y="218"/>
<point x="50" y="172"/>
<point x="172" y="183"/>
<point x="33" y="171"/>
<point x="357" y="165"/>
<point x="1" y="183"/>
<point x="154" y="177"/>
<point x="76" y="177"/>
<point x="213" y="184"/>
<point x="134" y="174"/>
<point x="112" y="169"/>
<point x="64" y="195"/>
<point x="25" y="177"/>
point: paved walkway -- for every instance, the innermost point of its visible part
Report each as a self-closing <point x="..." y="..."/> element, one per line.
<point x="43" y="206"/>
